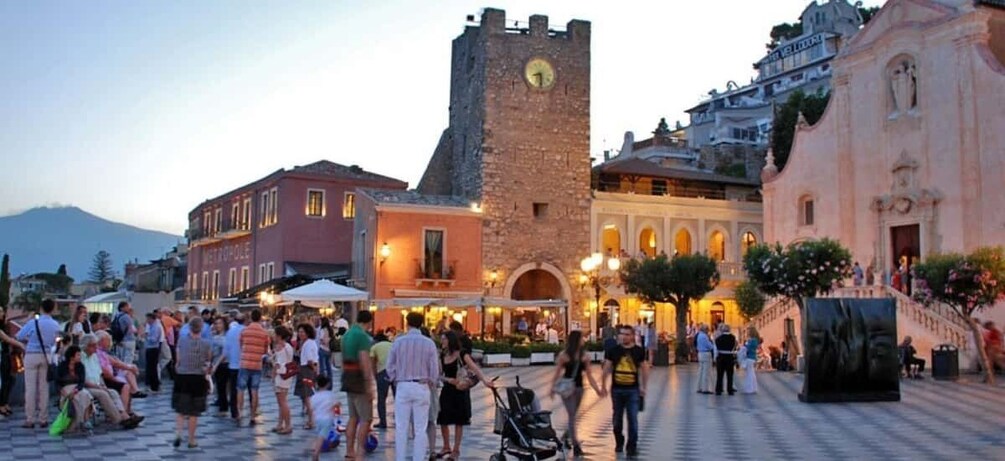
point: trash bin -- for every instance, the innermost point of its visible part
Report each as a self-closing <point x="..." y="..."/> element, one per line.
<point x="662" y="358"/>
<point x="945" y="362"/>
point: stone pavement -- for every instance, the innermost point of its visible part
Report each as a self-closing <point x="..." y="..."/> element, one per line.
<point x="934" y="420"/>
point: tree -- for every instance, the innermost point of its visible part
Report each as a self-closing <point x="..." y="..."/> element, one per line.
<point x="101" y="268"/>
<point x="782" y="32"/>
<point x="867" y="13"/>
<point x="799" y="271"/>
<point x="783" y="128"/>
<point x="55" y="282"/>
<point x="5" y="281"/>
<point x="749" y="299"/>
<point x="61" y="270"/>
<point x="677" y="281"/>
<point x="967" y="284"/>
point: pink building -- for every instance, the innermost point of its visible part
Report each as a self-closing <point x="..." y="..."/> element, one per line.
<point x="296" y="221"/>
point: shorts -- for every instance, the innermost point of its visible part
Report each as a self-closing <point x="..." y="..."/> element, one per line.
<point x="360" y="406"/>
<point x="324" y="426"/>
<point x="249" y="379"/>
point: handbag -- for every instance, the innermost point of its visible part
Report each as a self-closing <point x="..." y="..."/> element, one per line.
<point x="565" y="387"/>
<point x="51" y="375"/>
<point x="291" y="369"/>
<point x="62" y="421"/>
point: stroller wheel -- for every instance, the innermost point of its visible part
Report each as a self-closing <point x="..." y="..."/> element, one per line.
<point x="497" y="457"/>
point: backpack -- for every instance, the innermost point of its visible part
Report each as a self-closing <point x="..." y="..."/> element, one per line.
<point x="116" y="329"/>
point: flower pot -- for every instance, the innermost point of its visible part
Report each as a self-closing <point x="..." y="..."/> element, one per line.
<point x="542" y="357"/>
<point x="497" y="359"/>
<point x="520" y="362"/>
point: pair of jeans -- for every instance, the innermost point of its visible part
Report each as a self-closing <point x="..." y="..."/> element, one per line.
<point x="325" y="363"/>
<point x="626" y="400"/>
<point x="153" y="375"/>
<point x="383" y="385"/>
<point x="232" y="391"/>
<point x="222" y="382"/>
<point x="411" y="403"/>
<point x="724" y="364"/>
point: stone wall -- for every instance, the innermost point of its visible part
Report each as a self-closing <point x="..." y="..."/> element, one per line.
<point x="437" y="179"/>
<point x="723" y="155"/>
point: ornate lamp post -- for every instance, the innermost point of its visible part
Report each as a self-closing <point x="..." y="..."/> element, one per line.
<point x="598" y="275"/>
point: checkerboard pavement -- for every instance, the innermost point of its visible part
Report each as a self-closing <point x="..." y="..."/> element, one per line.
<point x="934" y="420"/>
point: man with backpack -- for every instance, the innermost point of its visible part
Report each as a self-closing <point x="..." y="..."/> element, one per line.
<point x="627" y="365"/>
<point x="123" y="332"/>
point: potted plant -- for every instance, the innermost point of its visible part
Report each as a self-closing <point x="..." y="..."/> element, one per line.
<point x="595" y="350"/>
<point x="521" y="356"/>
<point x="544" y="352"/>
<point x="497" y="353"/>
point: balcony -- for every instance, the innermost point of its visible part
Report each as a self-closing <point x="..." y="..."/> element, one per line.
<point x="731" y="271"/>
<point x="434" y="278"/>
<point x="234" y="230"/>
<point x="198" y="237"/>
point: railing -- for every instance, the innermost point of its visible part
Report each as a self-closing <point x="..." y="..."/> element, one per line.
<point x="775" y="309"/>
<point x="939" y="319"/>
<point x="731" y="271"/>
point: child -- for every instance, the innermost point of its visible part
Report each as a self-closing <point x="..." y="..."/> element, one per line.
<point x="323" y="404"/>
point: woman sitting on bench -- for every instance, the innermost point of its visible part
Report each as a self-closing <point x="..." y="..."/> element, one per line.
<point x="910" y="359"/>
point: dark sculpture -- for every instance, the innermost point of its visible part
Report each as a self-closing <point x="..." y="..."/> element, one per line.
<point x="851" y="350"/>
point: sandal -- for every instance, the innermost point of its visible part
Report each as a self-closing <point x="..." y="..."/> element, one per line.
<point x="43" y="425"/>
<point x="287" y="431"/>
<point x="28" y="425"/>
<point x="443" y="454"/>
<point x="193" y="445"/>
<point x="309" y="426"/>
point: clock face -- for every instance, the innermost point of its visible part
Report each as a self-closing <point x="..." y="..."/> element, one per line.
<point x="539" y="73"/>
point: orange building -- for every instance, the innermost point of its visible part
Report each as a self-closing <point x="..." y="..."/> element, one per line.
<point x="416" y="250"/>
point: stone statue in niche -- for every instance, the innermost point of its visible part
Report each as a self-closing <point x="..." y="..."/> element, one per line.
<point x="904" y="85"/>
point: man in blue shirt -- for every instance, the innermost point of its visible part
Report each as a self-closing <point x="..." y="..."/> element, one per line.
<point x="232" y="350"/>
<point x="39" y="336"/>
<point x="705" y="350"/>
<point x="126" y="349"/>
<point x="193" y="312"/>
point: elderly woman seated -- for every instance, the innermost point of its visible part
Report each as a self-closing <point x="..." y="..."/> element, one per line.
<point x="116" y="374"/>
<point x="95" y="385"/>
<point x="70" y="379"/>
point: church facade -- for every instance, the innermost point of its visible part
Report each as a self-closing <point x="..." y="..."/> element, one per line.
<point x="909" y="157"/>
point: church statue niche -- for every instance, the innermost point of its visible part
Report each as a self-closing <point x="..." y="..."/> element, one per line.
<point x="903" y="78"/>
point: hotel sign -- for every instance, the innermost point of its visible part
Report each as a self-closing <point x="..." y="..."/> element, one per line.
<point x="795" y="47"/>
<point x="240" y="251"/>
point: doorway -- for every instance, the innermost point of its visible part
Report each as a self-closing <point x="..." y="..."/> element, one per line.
<point x="718" y="315"/>
<point x="906" y="250"/>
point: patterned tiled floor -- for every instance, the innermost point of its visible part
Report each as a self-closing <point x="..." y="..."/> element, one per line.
<point x="934" y="420"/>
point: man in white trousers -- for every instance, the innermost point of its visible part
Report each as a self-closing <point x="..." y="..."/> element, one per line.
<point x="413" y="366"/>
<point x="705" y="349"/>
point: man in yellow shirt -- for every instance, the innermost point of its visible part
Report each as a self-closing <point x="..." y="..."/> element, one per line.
<point x="379" y="351"/>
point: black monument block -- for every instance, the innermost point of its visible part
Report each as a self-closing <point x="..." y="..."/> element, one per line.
<point x="850" y="349"/>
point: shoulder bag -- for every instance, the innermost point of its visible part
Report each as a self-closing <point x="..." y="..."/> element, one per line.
<point x="565" y="387"/>
<point x="51" y="375"/>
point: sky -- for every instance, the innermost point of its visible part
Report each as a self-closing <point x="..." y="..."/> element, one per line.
<point x="137" y="111"/>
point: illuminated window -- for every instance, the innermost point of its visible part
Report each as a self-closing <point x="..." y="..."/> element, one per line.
<point x="245" y="278"/>
<point x="682" y="243"/>
<point x="315" y="202"/>
<point x="349" y="205"/>
<point x="232" y="282"/>
<point x="749" y="240"/>
<point x="717" y="246"/>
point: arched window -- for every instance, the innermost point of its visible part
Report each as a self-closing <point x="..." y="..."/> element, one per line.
<point x="610" y="241"/>
<point x="647" y="242"/>
<point x="717" y="246"/>
<point x="749" y="240"/>
<point x="806" y="210"/>
<point x="682" y="243"/>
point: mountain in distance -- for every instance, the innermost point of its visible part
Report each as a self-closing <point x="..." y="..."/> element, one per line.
<point x="40" y="239"/>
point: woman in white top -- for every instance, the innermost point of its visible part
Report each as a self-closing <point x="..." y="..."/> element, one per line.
<point x="283" y="354"/>
<point x="304" y="387"/>
<point x="79" y="325"/>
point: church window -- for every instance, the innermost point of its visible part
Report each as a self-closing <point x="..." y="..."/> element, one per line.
<point x="806" y="211"/>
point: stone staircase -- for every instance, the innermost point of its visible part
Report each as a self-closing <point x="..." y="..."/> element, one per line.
<point x="928" y="326"/>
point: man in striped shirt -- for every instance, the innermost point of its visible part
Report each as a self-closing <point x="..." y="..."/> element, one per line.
<point x="254" y="343"/>
<point x="412" y="365"/>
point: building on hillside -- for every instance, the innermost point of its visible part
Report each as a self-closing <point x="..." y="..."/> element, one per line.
<point x="296" y="221"/>
<point x="652" y="199"/>
<point x="516" y="150"/>
<point x="908" y="159"/>
<point x="743" y="114"/>
<point x="166" y="274"/>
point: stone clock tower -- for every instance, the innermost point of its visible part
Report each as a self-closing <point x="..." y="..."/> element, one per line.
<point x="518" y="145"/>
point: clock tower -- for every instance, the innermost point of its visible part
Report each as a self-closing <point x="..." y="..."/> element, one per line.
<point x="518" y="146"/>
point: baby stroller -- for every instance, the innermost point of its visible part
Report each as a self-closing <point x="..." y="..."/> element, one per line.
<point x="525" y="430"/>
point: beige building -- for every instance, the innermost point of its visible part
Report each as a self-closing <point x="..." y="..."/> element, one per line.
<point x="909" y="156"/>
<point x="653" y="199"/>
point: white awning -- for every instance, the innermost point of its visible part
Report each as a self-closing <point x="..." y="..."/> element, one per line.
<point x="321" y="293"/>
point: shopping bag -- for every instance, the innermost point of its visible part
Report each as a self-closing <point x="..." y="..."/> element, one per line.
<point x="62" y="421"/>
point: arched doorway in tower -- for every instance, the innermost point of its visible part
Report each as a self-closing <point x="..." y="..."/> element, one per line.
<point x="647" y="242"/>
<point x="533" y="285"/>
<point x="610" y="241"/>
<point x="682" y="243"/>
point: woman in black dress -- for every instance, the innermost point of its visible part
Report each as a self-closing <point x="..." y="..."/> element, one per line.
<point x="455" y="397"/>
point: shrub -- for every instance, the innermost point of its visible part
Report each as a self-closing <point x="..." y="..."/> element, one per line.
<point x="497" y="348"/>
<point x="594" y="346"/>
<point x="521" y="352"/>
<point x="545" y="347"/>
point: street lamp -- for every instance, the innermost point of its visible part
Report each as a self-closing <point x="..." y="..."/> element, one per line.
<point x="595" y="276"/>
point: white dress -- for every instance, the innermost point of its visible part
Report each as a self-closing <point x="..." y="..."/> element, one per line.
<point x="748" y="385"/>
<point x="281" y="358"/>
